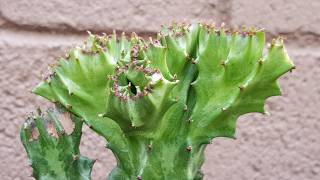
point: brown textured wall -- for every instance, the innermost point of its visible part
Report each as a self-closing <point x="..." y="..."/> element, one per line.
<point x="284" y="145"/>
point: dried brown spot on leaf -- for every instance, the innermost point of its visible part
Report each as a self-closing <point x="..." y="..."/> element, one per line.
<point x="51" y="129"/>
<point x="67" y="123"/>
<point x="34" y="134"/>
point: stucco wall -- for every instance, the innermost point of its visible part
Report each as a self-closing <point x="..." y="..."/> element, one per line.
<point x="284" y="145"/>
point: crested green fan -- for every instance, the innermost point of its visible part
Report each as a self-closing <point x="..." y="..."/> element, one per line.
<point x="159" y="103"/>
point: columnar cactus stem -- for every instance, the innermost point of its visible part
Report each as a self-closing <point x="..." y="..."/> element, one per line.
<point x="160" y="102"/>
<point x="52" y="143"/>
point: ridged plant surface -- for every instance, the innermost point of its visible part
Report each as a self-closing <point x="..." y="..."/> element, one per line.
<point x="159" y="102"/>
<point x="53" y="151"/>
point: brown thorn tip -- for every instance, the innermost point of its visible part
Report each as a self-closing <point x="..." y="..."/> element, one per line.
<point x="294" y="67"/>
<point x="241" y="88"/>
<point x="75" y="157"/>
<point x="139" y="178"/>
<point x="175" y="76"/>
<point x="185" y="108"/>
<point x="68" y="106"/>
<point x="266" y="113"/>
<point x="189" y="148"/>
<point x="261" y="61"/>
<point x="39" y="111"/>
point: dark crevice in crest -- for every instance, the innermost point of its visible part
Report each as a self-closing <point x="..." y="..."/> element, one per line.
<point x="132" y="87"/>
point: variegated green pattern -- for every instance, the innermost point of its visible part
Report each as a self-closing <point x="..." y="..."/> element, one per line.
<point x="54" y="154"/>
